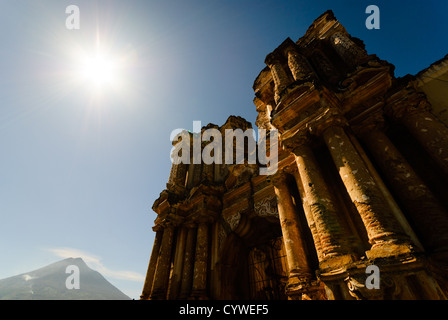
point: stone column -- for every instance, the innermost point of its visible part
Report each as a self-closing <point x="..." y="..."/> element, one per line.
<point x="189" y="182"/>
<point x="162" y="273"/>
<point x="428" y="215"/>
<point x="309" y="217"/>
<point x="334" y="239"/>
<point x="279" y="75"/>
<point x="430" y="132"/>
<point x="152" y="266"/>
<point x="172" y="173"/>
<point x="199" y="288"/>
<point x="176" y="275"/>
<point x="300" y="273"/>
<point x="384" y="232"/>
<point x="187" y="271"/>
<point x="215" y="282"/>
<point x="181" y="174"/>
<point x="298" y="64"/>
<point x="176" y="180"/>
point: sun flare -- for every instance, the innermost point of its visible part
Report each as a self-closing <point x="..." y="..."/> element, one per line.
<point x="98" y="70"/>
<point x="101" y="69"/>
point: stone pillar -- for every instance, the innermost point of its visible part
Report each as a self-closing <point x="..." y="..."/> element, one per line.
<point x="430" y="132"/>
<point x="187" y="271"/>
<point x="300" y="273"/>
<point x="199" y="288"/>
<point x="298" y="64"/>
<point x="385" y="233"/>
<point x="309" y="217"/>
<point x="176" y="275"/>
<point x="176" y="180"/>
<point x="172" y="173"/>
<point x="189" y="183"/>
<point x="215" y="283"/>
<point x="152" y="266"/>
<point x="428" y="215"/>
<point x="162" y="273"/>
<point x="334" y="239"/>
<point x="279" y="75"/>
<point x="181" y="174"/>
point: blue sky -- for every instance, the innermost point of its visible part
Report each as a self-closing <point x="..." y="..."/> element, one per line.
<point x="80" y="167"/>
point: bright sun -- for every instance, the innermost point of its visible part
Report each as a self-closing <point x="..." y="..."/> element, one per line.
<point x="101" y="69"/>
<point x="98" y="70"/>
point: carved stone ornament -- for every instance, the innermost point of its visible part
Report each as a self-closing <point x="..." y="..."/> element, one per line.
<point x="233" y="220"/>
<point x="267" y="207"/>
<point x="357" y="288"/>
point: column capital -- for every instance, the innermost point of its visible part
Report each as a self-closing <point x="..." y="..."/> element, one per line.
<point x="374" y="122"/>
<point x="279" y="178"/>
<point x="271" y="59"/>
<point x="406" y="101"/>
<point x="296" y="141"/>
<point x="330" y="118"/>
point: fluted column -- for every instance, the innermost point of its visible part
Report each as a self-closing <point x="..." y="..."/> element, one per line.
<point x="428" y="215"/>
<point x="152" y="266"/>
<point x="162" y="273"/>
<point x="384" y="232"/>
<point x="199" y="288"/>
<point x="187" y="270"/>
<point x="334" y="239"/>
<point x="296" y="255"/>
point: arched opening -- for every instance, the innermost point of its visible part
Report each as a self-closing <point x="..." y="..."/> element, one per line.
<point x="253" y="265"/>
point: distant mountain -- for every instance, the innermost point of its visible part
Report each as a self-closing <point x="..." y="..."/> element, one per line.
<point x="49" y="283"/>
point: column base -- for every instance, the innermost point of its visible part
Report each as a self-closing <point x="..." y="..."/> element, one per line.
<point x="335" y="262"/>
<point x="158" y="296"/>
<point x="301" y="287"/>
<point x="388" y="249"/>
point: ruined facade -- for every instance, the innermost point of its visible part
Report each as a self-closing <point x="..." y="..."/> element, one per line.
<point x="361" y="180"/>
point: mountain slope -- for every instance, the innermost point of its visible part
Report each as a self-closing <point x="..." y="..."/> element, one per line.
<point x="49" y="283"/>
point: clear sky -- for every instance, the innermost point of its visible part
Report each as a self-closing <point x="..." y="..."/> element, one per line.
<point x="84" y="156"/>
